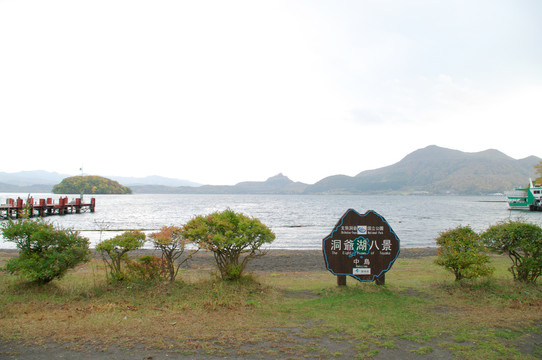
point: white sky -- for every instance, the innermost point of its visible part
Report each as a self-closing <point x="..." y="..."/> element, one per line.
<point x="220" y="92"/>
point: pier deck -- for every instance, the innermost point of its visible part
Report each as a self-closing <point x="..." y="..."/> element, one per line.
<point x="17" y="208"/>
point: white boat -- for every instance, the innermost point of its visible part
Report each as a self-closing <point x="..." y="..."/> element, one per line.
<point x="528" y="198"/>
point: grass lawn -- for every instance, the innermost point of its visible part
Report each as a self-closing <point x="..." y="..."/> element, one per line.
<point x="420" y="313"/>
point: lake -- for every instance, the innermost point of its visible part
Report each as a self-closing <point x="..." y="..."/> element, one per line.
<point x="299" y="221"/>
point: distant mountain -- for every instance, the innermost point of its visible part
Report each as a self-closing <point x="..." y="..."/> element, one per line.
<point x="433" y="170"/>
<point x="278" y="184"/>
<point x="437" y="170"/>
<point x="153" y="180"/>
<point x="37" y="177"/>
<point x="31" y="189"/>
<point x="43" y="181"/>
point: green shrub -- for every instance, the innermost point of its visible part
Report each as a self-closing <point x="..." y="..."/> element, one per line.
<point x="522" y="242"/>
<point x="45" y="252"/>
<point x="228" y="235"/>
<point x="114" y="251"/>
<point x="460" y="251"/>
<point x="172" y="245"/>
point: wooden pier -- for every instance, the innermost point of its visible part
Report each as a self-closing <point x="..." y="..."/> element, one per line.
<point x="17" y="208"/>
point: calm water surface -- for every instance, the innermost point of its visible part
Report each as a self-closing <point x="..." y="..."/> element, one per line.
<point x="299" y="221"/>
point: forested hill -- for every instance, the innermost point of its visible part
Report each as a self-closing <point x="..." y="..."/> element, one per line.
<point x="437" y="170"/>
<point x="90" y="185"/>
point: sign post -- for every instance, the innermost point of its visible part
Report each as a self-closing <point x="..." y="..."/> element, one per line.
<point x="362" y="246"/>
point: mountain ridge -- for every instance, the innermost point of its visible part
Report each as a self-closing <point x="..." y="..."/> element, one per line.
<point x="438" y="170"/>
<point x="433" y="170"/>
<point x="278" y="184"/>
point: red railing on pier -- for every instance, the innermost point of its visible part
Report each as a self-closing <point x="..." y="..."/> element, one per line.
<point x="17" y="208"/>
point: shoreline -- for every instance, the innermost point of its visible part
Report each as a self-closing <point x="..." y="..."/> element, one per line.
<point x="293" y="260"/>
<point x="275" y="260"/>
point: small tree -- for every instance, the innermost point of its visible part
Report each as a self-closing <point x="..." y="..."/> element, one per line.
<point x="172" y="245"/>
<point x="228" y="235"/>
<point x="460" y="252"/>
<point x="114" y="251"/>
<point x="522" y="242"/>
<point x="538" y="168"/>
<point x="45" y="252"/>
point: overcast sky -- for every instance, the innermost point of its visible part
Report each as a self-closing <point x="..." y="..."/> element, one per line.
<point x="219" y="92"/>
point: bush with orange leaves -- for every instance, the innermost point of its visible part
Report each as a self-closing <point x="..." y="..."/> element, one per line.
<point x="172" y="245"/>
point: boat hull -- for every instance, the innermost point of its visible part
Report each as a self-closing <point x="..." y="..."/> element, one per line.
<point x="529" y="198"/>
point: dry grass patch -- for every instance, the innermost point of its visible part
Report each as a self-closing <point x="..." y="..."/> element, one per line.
<point x="207" y="314"/>
<point x="419" y="311"/>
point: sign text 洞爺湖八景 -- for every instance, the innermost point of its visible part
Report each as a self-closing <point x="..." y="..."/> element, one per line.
<point x="362" y="246"/>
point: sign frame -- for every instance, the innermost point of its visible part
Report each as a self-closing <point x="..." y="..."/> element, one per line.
<point x="344" y="250"/>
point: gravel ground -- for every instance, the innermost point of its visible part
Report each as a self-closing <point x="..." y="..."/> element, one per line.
<point x="288" y="260"/>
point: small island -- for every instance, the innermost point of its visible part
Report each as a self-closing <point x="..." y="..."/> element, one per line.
<point x="90" y="185"/>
